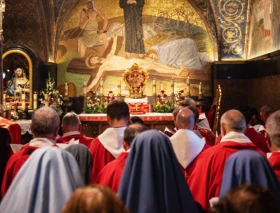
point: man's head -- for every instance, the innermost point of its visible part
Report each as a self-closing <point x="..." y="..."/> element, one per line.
<point x="71" y="122"/>
<point x="45" y="123"/>
<point x="118" y="114"/>
<point x="189" y="102"/>
<point x="265" y="112"/>
<point x="232" y="121"/>
<point x="185" y="119"/>
<point x="273" y="131"/>
<point x="130" y="133"/>
<point x="246" y="112"/>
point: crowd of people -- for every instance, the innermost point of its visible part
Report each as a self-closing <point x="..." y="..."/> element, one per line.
<point x="131" y="168"/>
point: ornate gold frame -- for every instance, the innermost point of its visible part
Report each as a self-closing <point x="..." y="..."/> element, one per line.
<point x="135" y="78"/>
<point x="30" y="70"/>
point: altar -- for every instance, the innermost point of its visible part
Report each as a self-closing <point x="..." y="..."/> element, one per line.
<point x="95" y="124"/>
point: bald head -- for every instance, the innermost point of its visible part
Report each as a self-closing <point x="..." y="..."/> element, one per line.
<point x="273" y="129"/>
<point x="185" y="119"/>
<point x="71" y="122"/>
<point x="232" y="121"/>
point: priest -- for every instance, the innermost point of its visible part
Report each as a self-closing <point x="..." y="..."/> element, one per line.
<point x="71" y="128"/>
<point x="108" y="146"/>
<point x="111" y="174"/>
<point x="44" y="126"/>
<point x="273" y="139"/>
<point x="186" y="144"/>
<point x="205" y="180"/>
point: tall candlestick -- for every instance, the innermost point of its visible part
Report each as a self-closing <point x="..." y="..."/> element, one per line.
<point x="188" y="87"/>
<point x="161" y="86"/>
<point x="35" y="101"/>
<point x="199" y="89"/>
<point x="120" y="88"/>
<point x="66" y="89"/>
<point x="23" y="103"/>
<point x="46" y="100"/>
<point x="85" y="83"/>
<point x="172" y="86"/>
<point x="101" y="87"/>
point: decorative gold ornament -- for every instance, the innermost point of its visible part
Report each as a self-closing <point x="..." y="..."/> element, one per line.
<point x="135" y="78"/>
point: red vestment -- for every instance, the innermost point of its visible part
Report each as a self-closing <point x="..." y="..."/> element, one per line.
<point x="111" y="174"/>
<point x="187" y="171"/>
<point x="258" y="139"/>
<point x="274" y="161"/>
<point x="14" y="164"/>
<point x="105" y="148"/>
<point x="206" y="178"/>
<point x="82" y="139"/>
<point x="208" y="135"/>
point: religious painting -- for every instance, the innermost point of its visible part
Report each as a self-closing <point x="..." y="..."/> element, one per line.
<point x="17" y="78"/>
<point x="102" y="39"/>
<point x="264" y="32"/>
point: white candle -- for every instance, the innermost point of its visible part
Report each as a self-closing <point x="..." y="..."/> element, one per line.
<point x="199" y="89"/>
<point x="23" y="103"/>
<point x="35" y="101"/>
<point x="154" y="89"/>
<point x="66" y="89"/>
<point x="46" y="100"/>
<point x="154" y="82"/>
<point x="85" y="83"/>
<point x="188" y="86"/>
<point x="120" y="88"/>
<point x="172" y="86"/>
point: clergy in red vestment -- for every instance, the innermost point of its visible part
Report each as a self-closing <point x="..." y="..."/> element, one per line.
<point x="44" y="126"/>
<point x="205" y="180"/>
<point x="265" y="112"/>
<point x="258" y="139"/>
<point x="108" y="146"/>
<point x="71" y="127"/>
<point x="186" y="144"/>
<point x="273" y="139"/>
<point x="111" y="174"/>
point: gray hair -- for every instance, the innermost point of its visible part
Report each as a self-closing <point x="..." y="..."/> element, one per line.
<point x="234" y="120"/>
<point x="71" y="120"/>
<point x="273" y="128"/>
<point x="45" y="120"/>
<point x="267" y="109"/>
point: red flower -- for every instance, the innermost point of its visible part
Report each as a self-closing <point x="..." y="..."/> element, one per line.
<point x="162" y="91"/>
<point x="165" y="95"/>
<point x="161" y="101"/>
<point x="113" y="98"/>
<point x="158" y="96"/>
<point x="110" y="92"/>
<point x="92" y="93"/>
<point x="108" y="97"/>
<point x="181" y="91"/>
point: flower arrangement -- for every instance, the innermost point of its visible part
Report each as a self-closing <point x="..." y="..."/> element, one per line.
<point x="93" y="103"/>
<point x="179" y="97"/>
<point x="163" y="105"/>
<point x="50" y="94"/>
<point x="107" y="99"/>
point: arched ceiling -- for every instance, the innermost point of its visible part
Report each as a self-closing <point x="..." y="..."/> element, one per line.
<point x="226" y="22"/>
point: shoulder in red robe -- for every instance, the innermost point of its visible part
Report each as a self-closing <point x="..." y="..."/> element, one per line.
<point x="208" y="135"/>
<point x="258" y="139"/>
<point x="206" y="178"/>
<point x="14" y="164"/>
<point x="274" y="161"/>
<point x="100" y="157"/>
<point x="111" y="174"/>
<point x="82" y="139"/>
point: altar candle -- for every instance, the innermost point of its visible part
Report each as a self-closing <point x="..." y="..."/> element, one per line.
<point x="161" y="86"/>
<point x="46" y="100"/>
<point x="154" y="82"/>
<point x="199" y="89"/>
<point x="23" y="103"/>
<point x="35" y="101"/>
<point x="66" y="89"/>
<point x="120" y="88"/>
<point x="188" y="86"/>
<point x="101" y="87"/>
<point x="85" y="83"/>
<point x="172" y="85"/>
